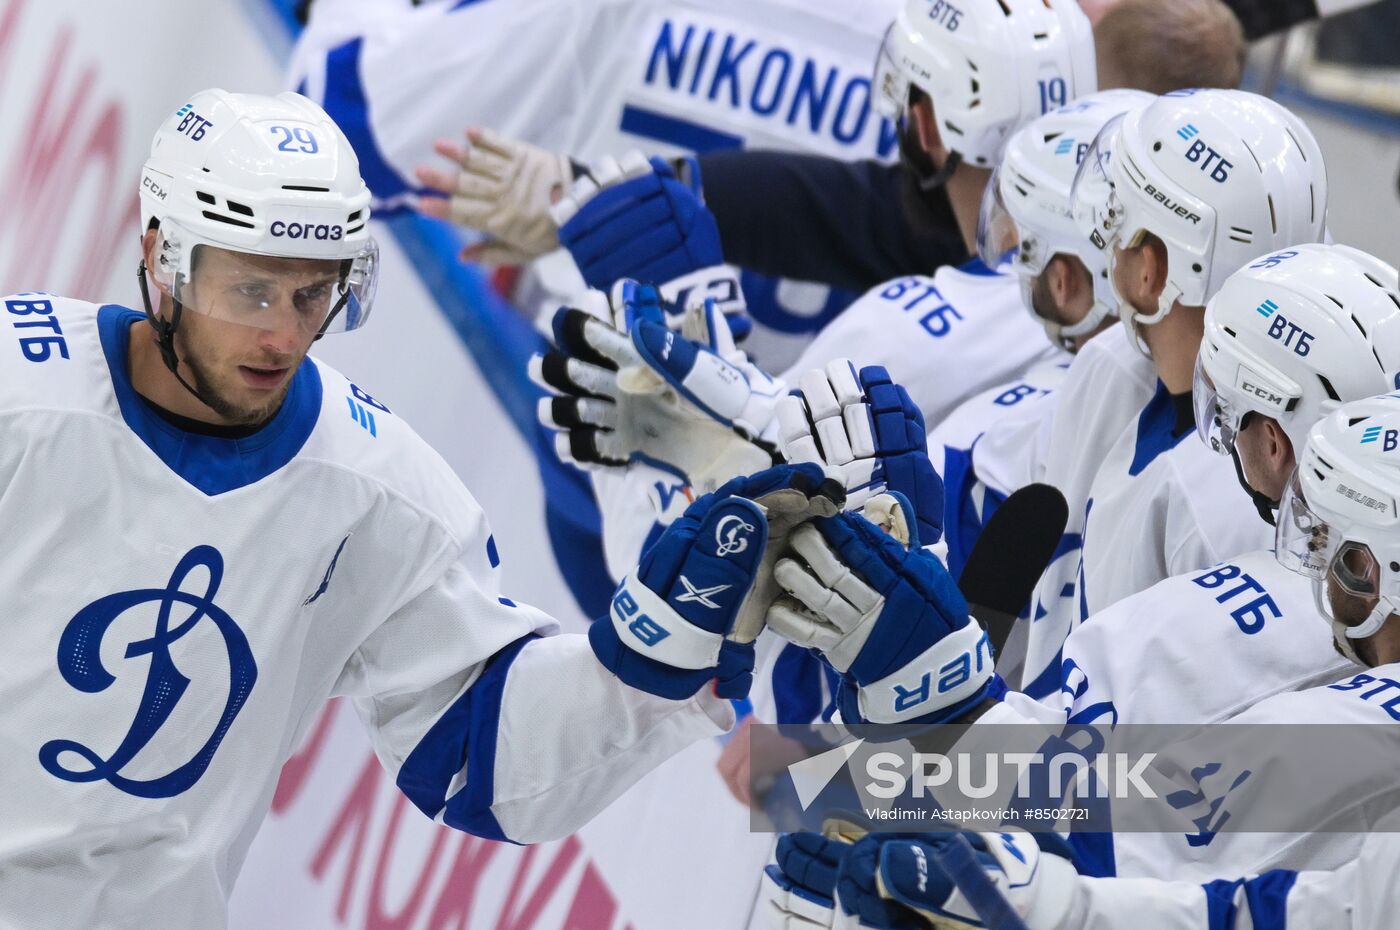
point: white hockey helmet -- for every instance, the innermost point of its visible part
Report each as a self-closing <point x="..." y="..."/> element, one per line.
<point x="263" y="176"/>
<point x="1027" y="204"/>
<point x="988" y="65"/>
<point x="1338" y="522"/>
<point x="1222" y="177"/>
<point x="1293" y="336"/>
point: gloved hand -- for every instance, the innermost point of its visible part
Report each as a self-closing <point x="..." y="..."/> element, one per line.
<point x="888" y="619"/>
<point x="635" y="218"/>
<point x="868" y="434"/>
<point x="502" y="187"/>
<point x="1032" y="878"/>
<point x="689" y="402"/>
<point x="695" y="604"/>
<point x="892" y="881"/>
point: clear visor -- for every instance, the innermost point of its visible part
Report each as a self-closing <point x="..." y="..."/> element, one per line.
<point x="302" y="295"/>
<point x="891" y="86"/>
<point x="998" y="238"/>
<point x="1094" y="201"/>
<point x="1217" y="422"/>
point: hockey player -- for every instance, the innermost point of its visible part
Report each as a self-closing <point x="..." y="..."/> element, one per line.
<point x="211" y="533"/>
<point x="1177" y="215"/>
<point x="854" y="589"/>
<point x="1208" y="644"/>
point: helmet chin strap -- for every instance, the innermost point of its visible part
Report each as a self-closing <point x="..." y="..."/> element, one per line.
<point x="932" y="182"/>
<point x="165" y="335"/>
<point x="1344" y="636"/>
<point x="1263" y="503"/>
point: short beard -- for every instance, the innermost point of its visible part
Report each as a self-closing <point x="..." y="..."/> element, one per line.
<point x="233" y="414"/>
<point x="1043" y="303"/>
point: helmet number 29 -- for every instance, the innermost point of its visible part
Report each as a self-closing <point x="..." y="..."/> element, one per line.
<point x="295" y="139"/>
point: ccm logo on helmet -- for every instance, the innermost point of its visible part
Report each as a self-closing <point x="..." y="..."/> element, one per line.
<point x="149" y="183"/>
<point x="1171" y="205"/>
<point x="319" y="231"/>
<point x="1264" y="394"/>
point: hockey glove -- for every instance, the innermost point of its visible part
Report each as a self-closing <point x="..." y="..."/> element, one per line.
<point x="636" y="219"/>
<point x="893" y="880"/>
<point x="689" y="402"/>
<point x="888" y="619"/>
<point x="502" y="187"/>
<point x="868" y="434"/>
<point x="695" y="604"/>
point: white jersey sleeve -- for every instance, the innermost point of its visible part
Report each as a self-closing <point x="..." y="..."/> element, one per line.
<point x="1199" y="647"/>
<point x="637" y="503"/>
<point x="969" y="499"/>
<point x="946" y="338"/>
<point x="1074" y="429"/>
<point x="1358" y="896"/>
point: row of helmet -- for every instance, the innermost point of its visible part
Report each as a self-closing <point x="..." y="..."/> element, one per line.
<point x="1234" y="189"/>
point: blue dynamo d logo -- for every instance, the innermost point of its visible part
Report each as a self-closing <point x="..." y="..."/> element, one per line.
<point x="80" y="663"/>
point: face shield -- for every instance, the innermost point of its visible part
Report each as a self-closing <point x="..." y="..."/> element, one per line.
<point x="1217" y="421"/>
<point x="891" y="86"/>
<point x="1094" y="201"/>
<point x="308" y="297"/>
<point x="999" y="238"/>
<point x="1351" y="586"/>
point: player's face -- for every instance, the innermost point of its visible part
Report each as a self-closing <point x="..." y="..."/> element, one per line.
<point x="254" y="321"/>
<point x="1077" y="290"/>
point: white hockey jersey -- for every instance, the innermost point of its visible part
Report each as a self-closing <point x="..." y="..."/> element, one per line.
<point x="599" y="77"/>
<point x="1257" y="768"/>
<point x="969" y="501"/>
<point x="1200" y="647"/>
<point x="946" y="338"/>
<point x="179" y="606"/>
<point x="1062" y="440"/>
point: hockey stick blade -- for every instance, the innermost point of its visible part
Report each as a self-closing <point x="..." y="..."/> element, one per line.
<point x="1012" y="553"/>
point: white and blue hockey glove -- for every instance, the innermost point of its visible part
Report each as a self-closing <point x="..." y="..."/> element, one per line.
<point x="635" y="218"/>
<point x="887" y="618"/>
<point x="799" y="889"/>
<point x="868" y="434"/>
<point x="1010" y="881"/>
<point x="688" y="402"/>
<point x="690" y="612"/>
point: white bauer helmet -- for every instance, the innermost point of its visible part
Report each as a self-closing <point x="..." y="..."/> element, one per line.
<point x="1222" y="177"/>
<point x="264" y="176"/>
<point x="1339" y="523"/>
<point x="1027" y="205"/>
<point x="988" y="65"/>
<point x="1292" y="337"/>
